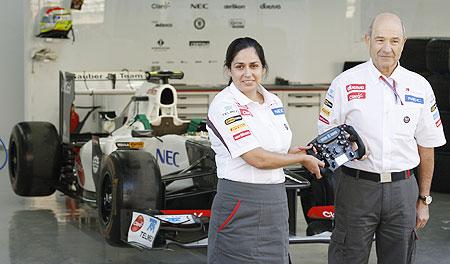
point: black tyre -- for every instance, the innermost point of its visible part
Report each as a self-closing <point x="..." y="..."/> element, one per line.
<point x="34" y="158"/>
<point x="414" y="55"/>
<point x="441" y="88"/>
<point x="438" y="51"/>
<point x="441" y="177"/>
<point x="129" y="179"/>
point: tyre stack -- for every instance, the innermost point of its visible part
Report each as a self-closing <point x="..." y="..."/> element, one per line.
<point x="438" y="63"/>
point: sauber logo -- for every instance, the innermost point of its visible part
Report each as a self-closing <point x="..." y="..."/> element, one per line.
<point x="358" y="87"/>
<point x="245" y="112"/>
<point x="137" y="224"/>
<point x="242" y="134"/>
<point x="356" y="95"/>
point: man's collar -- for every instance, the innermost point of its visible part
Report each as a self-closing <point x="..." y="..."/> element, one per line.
<point x="376" y="74"/>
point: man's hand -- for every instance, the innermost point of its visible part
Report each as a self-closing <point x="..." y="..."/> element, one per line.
<point x="422" y="214"/>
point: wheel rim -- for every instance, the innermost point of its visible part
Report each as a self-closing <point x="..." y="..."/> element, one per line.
<point x="106" y="199"/>
<point x="13" y="161"/>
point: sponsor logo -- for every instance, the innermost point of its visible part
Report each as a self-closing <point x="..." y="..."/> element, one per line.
<point x="168" y="157"/>
<point x="199" y="23"/>
<point x="406" y="119"/>
<point x="433" y="108"/>
<point x="245" y="112"/>
<point x="270" y="6"/>
<point x="436" y="115"/>
<point x="233" y="119"/>
<point x="278" y="111"/>
<point x="67" y="87"/>
<point x="242" y="134"/>
<point x="137" y="224"/>
<point x="324" y="120"/>
<point x="356" y="95"/>
<point x="438" y="122"/>
<point x="199" y="6"/>
<point x="164" y="5"/>
<point x="238" y="127"/>
<point x="199" y="43"/>
<point x="328" y="214"/>
<point x="328" y="103"/>
<point x="95" y="164"/>
<point x="237" y="23"/>
<point x="234" y="6"/>
<point x="357" y="87"/>
<point x="162" y="25"/>
<point x="152" y="226"/>
<point x="325" y="112"/>
<point x="229" y="112"/>
<point x="410" y="98"/>
<point x="160" y="46"/>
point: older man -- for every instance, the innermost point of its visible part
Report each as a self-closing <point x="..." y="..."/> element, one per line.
<point x="395" y="110"/>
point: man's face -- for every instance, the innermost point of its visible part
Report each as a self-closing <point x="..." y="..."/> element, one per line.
<point x="386" y="43"/>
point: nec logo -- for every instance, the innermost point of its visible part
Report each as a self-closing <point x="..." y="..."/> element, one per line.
<point x="199" y="6"/>
<point x="167" y="157"/>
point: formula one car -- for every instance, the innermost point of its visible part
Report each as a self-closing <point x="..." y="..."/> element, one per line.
<point x="152" y="180"/>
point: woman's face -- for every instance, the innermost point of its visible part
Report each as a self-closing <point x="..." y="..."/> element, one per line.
<point x="246" y="70"/>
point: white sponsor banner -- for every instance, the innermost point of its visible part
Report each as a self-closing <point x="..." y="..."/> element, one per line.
<point x="143" y="230"/>
<point x="177" y="219"/>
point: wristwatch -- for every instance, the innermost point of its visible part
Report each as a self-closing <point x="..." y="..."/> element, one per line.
<point x="426" y="199"/>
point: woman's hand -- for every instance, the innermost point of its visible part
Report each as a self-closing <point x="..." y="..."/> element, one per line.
<point x="312" y="164"/>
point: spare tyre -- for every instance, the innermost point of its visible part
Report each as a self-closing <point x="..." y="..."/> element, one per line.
<point x="34" y="158"/>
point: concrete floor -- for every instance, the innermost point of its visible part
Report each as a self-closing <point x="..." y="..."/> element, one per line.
<point x="42" y="230"/>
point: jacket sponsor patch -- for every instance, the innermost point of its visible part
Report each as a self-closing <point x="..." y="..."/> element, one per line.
<point x="325" y="112"/>
<point x="242" y="134"/>
<point x="245" y="112"/>
<point x="356" y="95"/>
<point x="410" y="98"/>
<point x="233" y="119"/>
<point x="357" y="87"/>
<point x="324" y="120"/>
<point x="238" y="127"/>
<point x="278" y="111"/>
<point x="328" y="103"/>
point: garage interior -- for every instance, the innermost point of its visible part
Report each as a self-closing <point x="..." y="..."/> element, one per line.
<point x="304" y="54"/>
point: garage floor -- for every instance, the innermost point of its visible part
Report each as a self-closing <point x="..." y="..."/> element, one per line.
<point x="43" y="230"/>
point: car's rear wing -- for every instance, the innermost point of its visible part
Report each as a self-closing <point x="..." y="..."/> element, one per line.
<point x="75" y="83"/>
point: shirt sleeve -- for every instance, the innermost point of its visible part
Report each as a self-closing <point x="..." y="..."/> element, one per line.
<point x="227" y="121"/>
<point x="330" y="111"/>
<point x="429" y="132"/>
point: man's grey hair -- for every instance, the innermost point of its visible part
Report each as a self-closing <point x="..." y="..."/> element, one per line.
<point x="369" y="31"/>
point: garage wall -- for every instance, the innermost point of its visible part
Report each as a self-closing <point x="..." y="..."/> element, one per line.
<point x="305" y="41"/>
<point x="11" y="66"/>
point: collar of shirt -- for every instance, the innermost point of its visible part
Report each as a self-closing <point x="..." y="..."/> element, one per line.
<point x="242" y="99"/>
<point x="376" y="74"/>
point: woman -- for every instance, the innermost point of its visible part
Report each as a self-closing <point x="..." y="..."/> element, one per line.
<point x="251" y="137"/>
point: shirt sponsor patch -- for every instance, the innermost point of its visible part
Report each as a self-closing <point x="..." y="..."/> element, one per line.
<point x="410" y="98"/>
<point x="233" y="119"/>
<point x="436" y="115"/>
<point x="245" y="112"/>
<point x="357" y="87"/>
<point x="238" y="127"/>
<point x="356" y="95"/>
<point x="330" y="93"/>
<point x="242" y="134"/>
<point x="278" y="111"/>
<point x="328" y="103"/>
<point x="324" y="120"/>
<point x="433" y="108"/>
<point x="438" y="122"/>
<point x="229" y="112"/>
<point x="325" y="112"/>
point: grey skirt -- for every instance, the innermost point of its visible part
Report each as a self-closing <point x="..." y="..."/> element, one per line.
<point x="249" y="224"/>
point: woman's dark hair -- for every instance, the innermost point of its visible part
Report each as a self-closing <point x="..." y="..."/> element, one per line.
<point x="240" y="44"/>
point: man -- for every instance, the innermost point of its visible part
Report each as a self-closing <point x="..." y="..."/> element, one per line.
<point x="395" y="111"/>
